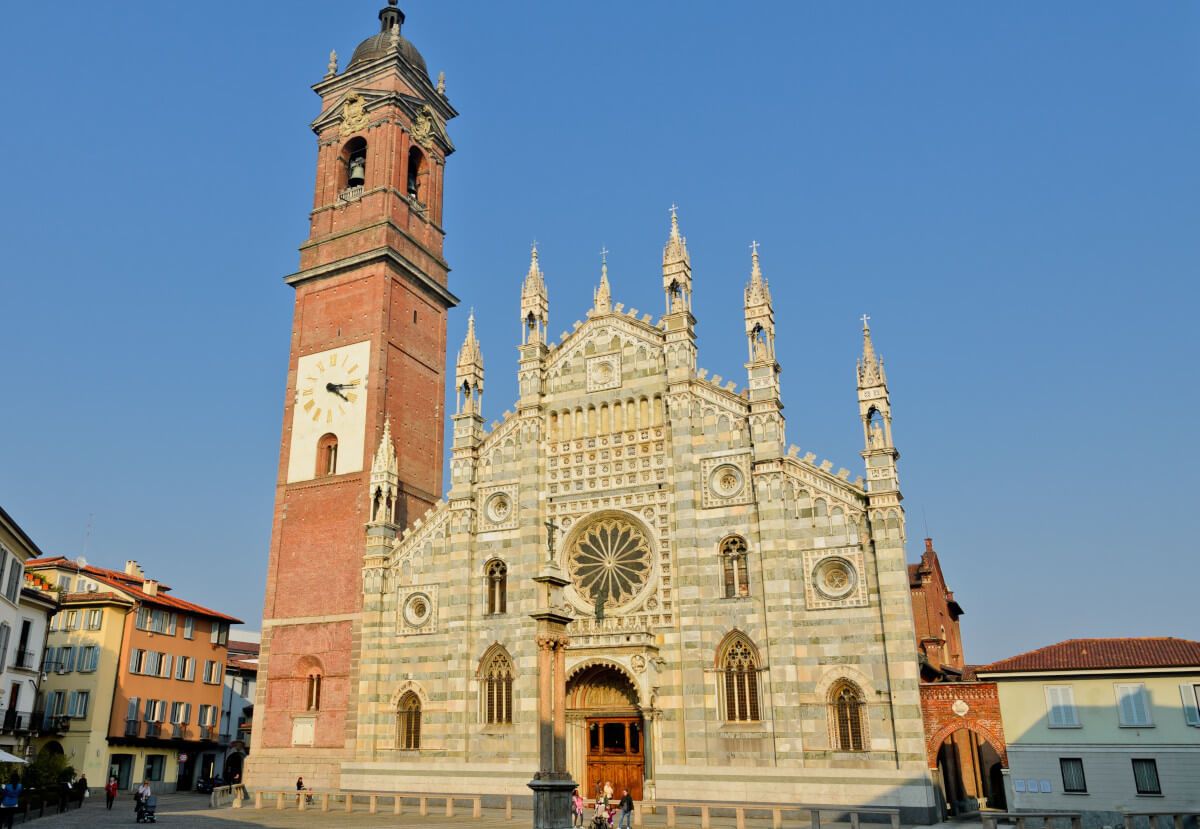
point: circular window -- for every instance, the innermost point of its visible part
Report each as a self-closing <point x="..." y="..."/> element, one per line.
<point x="417" y="610"/>
<point x="499" y="508"/>
<point x="835" y="578"/>
<point x="610" y="556"/>
<point x="726" y="481"/>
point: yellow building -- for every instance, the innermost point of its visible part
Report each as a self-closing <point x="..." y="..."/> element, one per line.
<point x="1102" y="726"/>
<point x="82" y="653"/>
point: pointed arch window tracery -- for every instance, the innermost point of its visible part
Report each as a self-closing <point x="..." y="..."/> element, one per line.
<point x="497" y="587"/>
<point x="496" y="675"/>
<point x="733" y="560"/>
<point x="408" y="722"/>
<point x="739" y="681"/>
<point x="846" y="714"/>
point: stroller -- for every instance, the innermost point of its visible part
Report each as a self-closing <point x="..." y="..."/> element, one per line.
<point x="144" y="809"/>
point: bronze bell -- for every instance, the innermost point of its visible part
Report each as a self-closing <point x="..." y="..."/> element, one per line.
<point x="358" y="172"/>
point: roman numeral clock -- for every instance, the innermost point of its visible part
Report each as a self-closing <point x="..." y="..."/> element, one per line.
<point x="329" y="413"/>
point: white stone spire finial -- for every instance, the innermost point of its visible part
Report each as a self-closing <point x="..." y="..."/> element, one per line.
<point x="394" y="35"/>
<point x="333" y="67"/>
<point x="441" y="84"/>
<point x="385" y="455"/>
<point x="602" y="296"/>
<point x="535" y="302"/>
<point x="870" y="367"/>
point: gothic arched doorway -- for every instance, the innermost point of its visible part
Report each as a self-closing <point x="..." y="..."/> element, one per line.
<point x="970" y="771"/>
<point x="606" y="738"/>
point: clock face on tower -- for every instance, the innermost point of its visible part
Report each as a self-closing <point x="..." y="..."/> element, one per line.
<point x="329" y="410"/>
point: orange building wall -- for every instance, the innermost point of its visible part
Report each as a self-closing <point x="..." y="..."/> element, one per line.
<point x="172" y="690"/>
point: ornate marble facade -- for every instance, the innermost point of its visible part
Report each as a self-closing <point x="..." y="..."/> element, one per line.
<point x="742" y="625"/>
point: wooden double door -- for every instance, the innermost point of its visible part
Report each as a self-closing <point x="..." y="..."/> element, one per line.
<point x="615" y="754"/>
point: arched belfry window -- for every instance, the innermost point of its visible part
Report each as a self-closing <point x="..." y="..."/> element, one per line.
<point x="497" y="587"/>
<point x="327" y="450"/>
<point x="414" y="185"/>
<point x="738" y="664"/>
<point x="354" y="157"/>
<point x="312" y="695"/>
<point x="408" y="722"/>
<point x="496" y="682"/>
<point x="733" y="560"/>
<point x="846" y="712"/>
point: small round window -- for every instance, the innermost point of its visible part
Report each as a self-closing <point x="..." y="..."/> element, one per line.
<point x="417" y="610"/>
<point x="835" y="578"/>
<point x="726" y="481"/>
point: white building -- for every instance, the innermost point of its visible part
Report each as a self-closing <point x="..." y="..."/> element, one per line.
<point x="1102" y="726"/>
<point x="24" y="618"/>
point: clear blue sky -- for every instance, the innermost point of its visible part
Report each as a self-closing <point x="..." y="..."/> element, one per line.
<point x="1011" y="192"/>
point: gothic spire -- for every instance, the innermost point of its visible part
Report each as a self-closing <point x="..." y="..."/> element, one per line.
<point x="759" y="289"/>
<point x="677" y="269"/>
<point x="676" y="247"/>
<point x="870" y="367"/>
<point x="385" y="455"/>
<point x="535" y="303"/>
<point x="760" y="316"/>
<point x="470" y="353"/>
<point x="602" y="296"/>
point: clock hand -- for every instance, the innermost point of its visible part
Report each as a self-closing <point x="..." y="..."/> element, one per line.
<point x="336" y="389"/>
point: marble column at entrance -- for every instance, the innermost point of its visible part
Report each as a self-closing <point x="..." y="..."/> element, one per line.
<point x="552" y="785"/>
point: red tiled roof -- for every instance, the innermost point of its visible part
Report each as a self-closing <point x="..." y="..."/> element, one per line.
<point x="1085" y="654"/>
<point x="106" y="595"/>
<point x="167" y="601"/>
<point x="103" y="572"/>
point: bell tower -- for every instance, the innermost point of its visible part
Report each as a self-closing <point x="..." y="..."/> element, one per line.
<point x="367" y="365"/>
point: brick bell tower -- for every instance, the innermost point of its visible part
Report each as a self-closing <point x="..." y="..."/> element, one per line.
<point x="368" y="347"/>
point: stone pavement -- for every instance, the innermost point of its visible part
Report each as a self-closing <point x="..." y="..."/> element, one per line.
<point x="191" y="811"/>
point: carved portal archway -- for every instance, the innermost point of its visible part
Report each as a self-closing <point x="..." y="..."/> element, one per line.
<point x="606" y="736"/>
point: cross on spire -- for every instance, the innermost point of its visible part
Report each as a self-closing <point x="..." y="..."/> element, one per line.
<point x="674" y="207"/>
<point x="603" y="255"/>
<point x="754" y="246"/>
<point x="865" y="317"/>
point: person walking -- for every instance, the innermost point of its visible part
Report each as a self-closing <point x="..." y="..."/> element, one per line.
<point x="626" y="809"/>
<point x="110" y="792"/>
<point x="81" y="787"/>
<point x="8" y="806"/>
<point x="577" y="808"/>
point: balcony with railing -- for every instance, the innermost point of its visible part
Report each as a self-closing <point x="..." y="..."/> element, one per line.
<point x="25" y="659"/>
<point x="207" y="732"/>
<point x="132" y="727"/>
<point x="50" y="723"/>
<point x="15" y="721"/>
<point x="153" y="730"/>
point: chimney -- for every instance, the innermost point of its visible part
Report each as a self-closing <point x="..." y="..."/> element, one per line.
<point x="132" y="569"/>
<point x="150" y="587"/>
<point x="929" y="545"/>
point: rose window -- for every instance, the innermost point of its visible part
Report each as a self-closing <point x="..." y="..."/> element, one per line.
<point x="610" y="556"/>
<point x="836" y="578"/>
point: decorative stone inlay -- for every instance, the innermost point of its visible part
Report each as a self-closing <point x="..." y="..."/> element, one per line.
<point x="610" y="555"/>
<point x="354" y="115"/>
<point x="604" y="372"/>
<point x="959" y="707"/>
<point x="637" y="662"/>
<point x="417" y="609"/>
<point x="834" y="578"/>
<point x="498" y="507"/>
<point x="725" y="480"/>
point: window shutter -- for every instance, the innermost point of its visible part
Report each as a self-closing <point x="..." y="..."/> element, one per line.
<point x="133" y="660"/>
<point x="95" y="658"/>
<point x="1125" y="706"/>
<point x="1141" y="705"/>
<point x="187" y="713"/>
<point x="134" y="704"/>
<point x="191" y="669"/>
<point x="1191" y="703"/>
<point x="166" y="669"/>
<point x="72" y="702"/>
<point x="84" y="698"/>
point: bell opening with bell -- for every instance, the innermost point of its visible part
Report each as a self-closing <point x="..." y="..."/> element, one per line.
<point x="358" y="172"/>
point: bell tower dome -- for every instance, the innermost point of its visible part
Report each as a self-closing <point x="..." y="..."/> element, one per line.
<point x="367" y="369"/>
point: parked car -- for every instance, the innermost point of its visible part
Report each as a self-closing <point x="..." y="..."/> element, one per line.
<point x="205" y="785"/>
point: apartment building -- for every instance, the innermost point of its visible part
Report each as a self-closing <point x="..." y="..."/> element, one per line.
<point x="134" y="676"/>
<point x="24" y="616"/>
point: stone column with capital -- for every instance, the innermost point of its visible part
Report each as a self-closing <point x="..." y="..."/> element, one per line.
<point x="552" y="784"/>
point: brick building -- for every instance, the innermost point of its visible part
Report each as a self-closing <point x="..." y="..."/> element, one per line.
<point x="964" y="738"/>
<point x="705" y="557"/>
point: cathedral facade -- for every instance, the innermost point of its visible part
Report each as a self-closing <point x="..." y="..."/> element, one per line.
<point x="741" y="623"/>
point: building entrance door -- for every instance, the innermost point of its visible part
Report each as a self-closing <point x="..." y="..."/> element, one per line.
<point x="615" y="754"/>
<point x="121" y="767"/>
